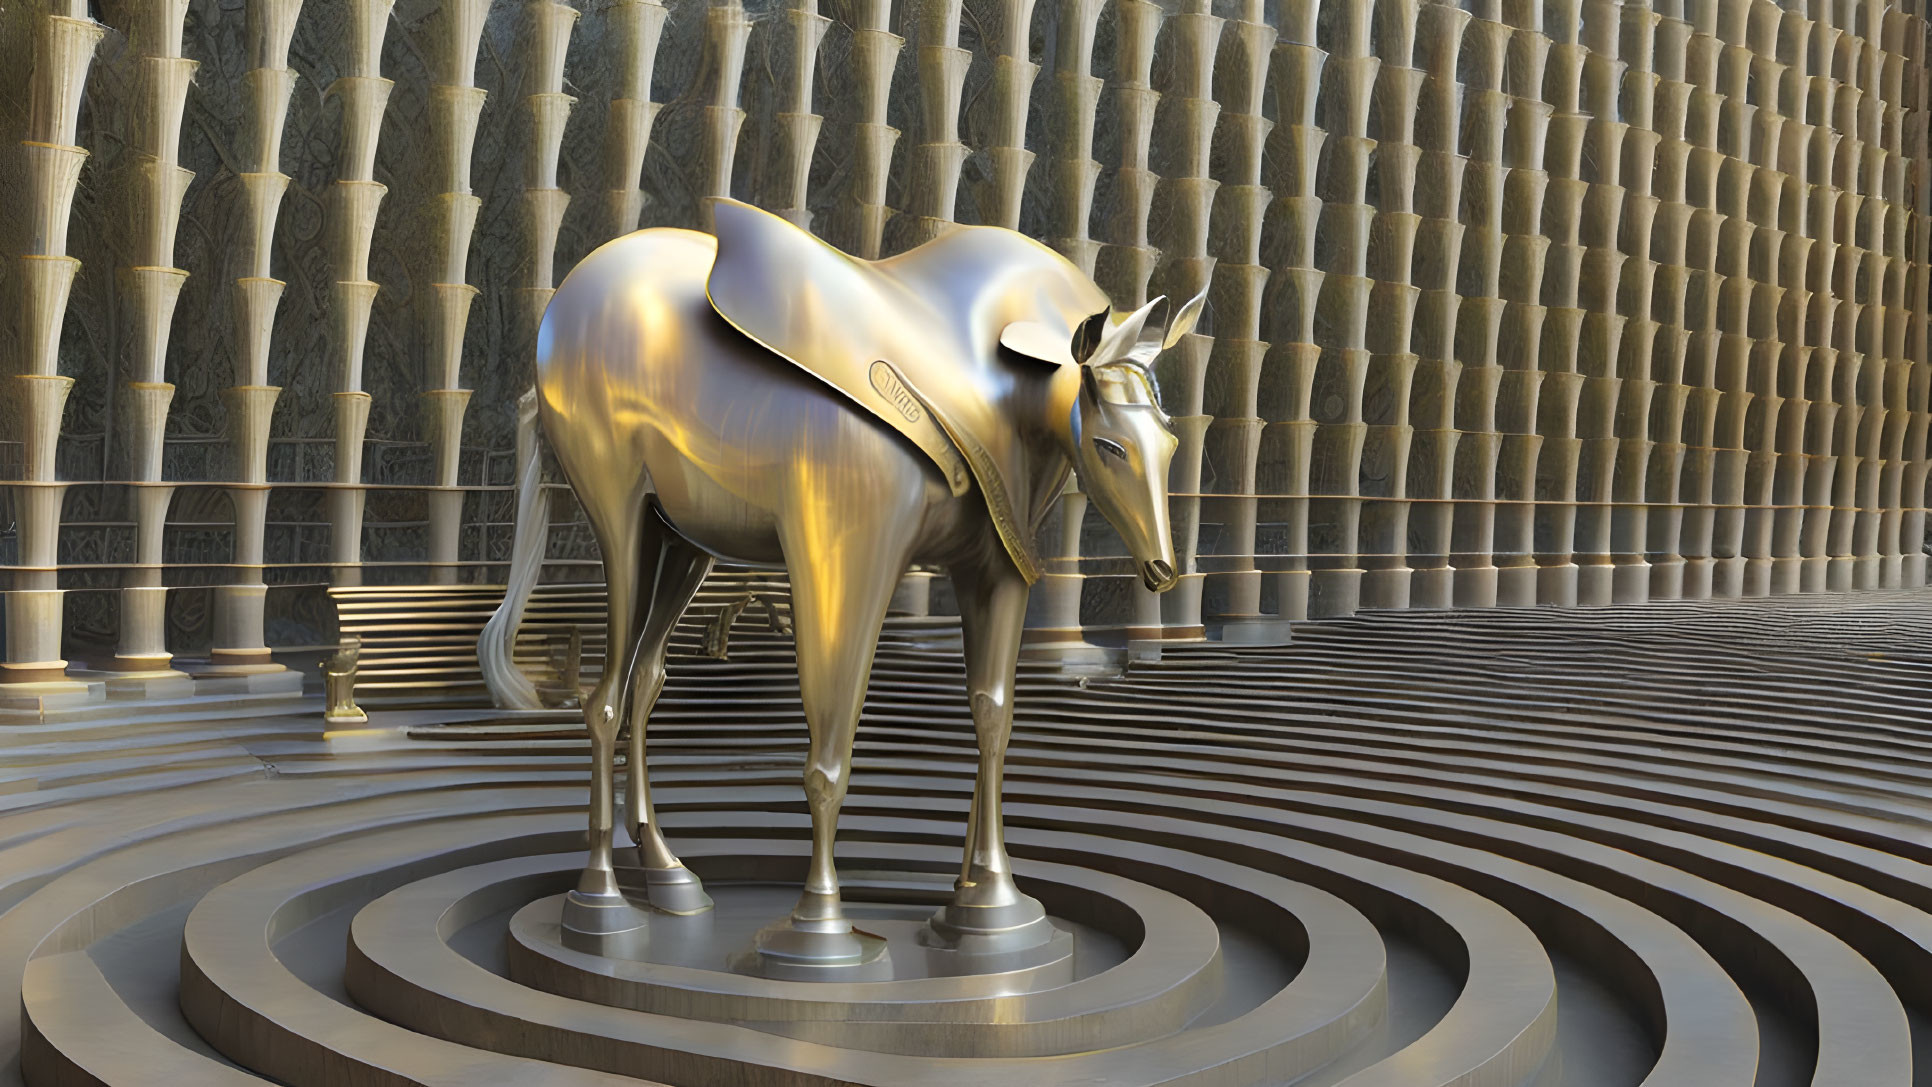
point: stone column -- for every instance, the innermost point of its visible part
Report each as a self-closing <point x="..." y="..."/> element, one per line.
<point x="1437" y="442"/>
<point x="1125" y="266"/>
<point x="726" y="31"/>
<point x="1002" y="116"/>
<point x="456" y="104"/>
<point x="798" y="126"/>
<point x="1663" y="487"/>
<point x="364" y="94"/>
<point x="1239" y="357"/>
<point x="1055" y="628"/>
<point x="239" y="648"/>
<point x="1553" y="472"/>
<point x="51" y="164"/>
<point x="1076" y="109"/>
<point x="550" y="23"/>
<point x="1894" y="230"/>
<point x="1735" y="345"/>
<point x="1393" y="300"/>
<point x="1342" y="315"/>
<point x="1623" y="528"/>
<point x="1286" y="397"/>
<point x="875" y="54"/>
<point x="1496" y="402"/>
<point x="1768" y="181"/>
<point x="1519" y="381"/>
<point x="1794" y="454"/>
<point x="1845" y="97"/>
<point x="933" y="168"/>
<point x="1814" y="92"/>
<point x="1703" y="286"/>
<point x="634" y="27"/>
<point x="1918" y="293"/>
<point x="151" y="285"/>
<point x="1187" y="199"/>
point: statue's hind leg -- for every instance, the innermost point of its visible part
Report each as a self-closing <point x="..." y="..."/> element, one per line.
<point x="597" y="907"/>
<point x="673" y="573"/>
<point x="846" y="546"/>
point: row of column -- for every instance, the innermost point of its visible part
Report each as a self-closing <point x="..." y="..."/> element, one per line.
<point x="1625" y="305"/>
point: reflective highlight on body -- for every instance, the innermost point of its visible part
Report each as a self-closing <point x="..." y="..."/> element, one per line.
<point x="705" y="403"/>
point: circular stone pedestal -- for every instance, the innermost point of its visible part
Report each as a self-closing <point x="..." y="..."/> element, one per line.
<point x="723" y="938"/>
<point x="918" y="1000"/>
<point x="1098" y="984"/>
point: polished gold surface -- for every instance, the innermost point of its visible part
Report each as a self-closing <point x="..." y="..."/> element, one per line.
<point x="763" y="398"/>
<point x="339" y="684"/>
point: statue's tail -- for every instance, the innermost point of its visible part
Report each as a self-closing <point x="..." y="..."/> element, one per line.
<point x="510" y="689"/>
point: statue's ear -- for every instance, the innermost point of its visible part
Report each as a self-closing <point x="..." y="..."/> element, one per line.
<point x="1087" y="337"/>
<point x="1037" y="341"/>
<point x="1119" y="339"/>
<point x="1183" y="322"/>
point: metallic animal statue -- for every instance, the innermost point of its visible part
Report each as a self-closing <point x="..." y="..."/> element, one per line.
<point x="762" y="398"/>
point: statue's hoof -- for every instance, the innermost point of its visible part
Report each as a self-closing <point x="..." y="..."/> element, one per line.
<point x="821" y="950"/>
<point x="676" y="890"/>
<point x="603" y="924"/>
<point x="815" y="943"/>
<point x="1016" y="923"/>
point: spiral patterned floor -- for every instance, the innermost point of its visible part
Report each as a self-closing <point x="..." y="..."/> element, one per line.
<point x="1675" y="844"/>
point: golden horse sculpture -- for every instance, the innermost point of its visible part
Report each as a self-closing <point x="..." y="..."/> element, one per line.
<point x="758" y="396"/>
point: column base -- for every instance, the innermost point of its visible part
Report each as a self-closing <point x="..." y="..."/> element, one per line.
<point x="1727" y="578"/>
<point x="1388" y="588"/>
<point x="1699" y="574"/>
<point x="1434" y="589"/>
<point x="1630" y="583"/>
<point x="1291" y="594"/>
<point x="1838" y="574"/>
<point x="1476" y="586"/>
<point x="1865" y="572"/>
<point x="1595" y="584"/>
<point x="22" y="702"/>
<point x="1071" y="654"/>
<point x="144" y="685"/>
<point x="1667" y="579"/>
<point x="1333" y="594"/>
<point x="913" y="596"/>
<point x="1757" y="577"/>
<point x="241" y="662"/>
<point x="1181" y="610"/>
<point x="1557" y="585"/>
<point x="209" y="681"/>
<point x="1516" y="587"/>
<point x="36" y="673"/>
<point x="1786" y="575"/>
<point x="1891" y="571"/>
<point x="1253" y="630"/>
<point x="1912" y="569"/>
<point x="1811" y="573"/>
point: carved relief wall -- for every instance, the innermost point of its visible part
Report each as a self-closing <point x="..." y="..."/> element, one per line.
<point x="1512" y="302"/>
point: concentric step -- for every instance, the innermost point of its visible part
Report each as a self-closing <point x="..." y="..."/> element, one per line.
<point x="1682" y="844"/>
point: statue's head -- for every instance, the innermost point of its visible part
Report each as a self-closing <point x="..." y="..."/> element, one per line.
<point x="1120" y="440"/>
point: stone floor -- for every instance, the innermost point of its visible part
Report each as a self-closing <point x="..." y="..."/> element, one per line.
<point x="1669" y="844"/>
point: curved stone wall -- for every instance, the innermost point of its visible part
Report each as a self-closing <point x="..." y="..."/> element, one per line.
<point x="1512" y="302"/>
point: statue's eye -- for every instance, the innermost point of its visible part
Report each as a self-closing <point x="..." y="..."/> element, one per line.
<point x="1108" y="445"/>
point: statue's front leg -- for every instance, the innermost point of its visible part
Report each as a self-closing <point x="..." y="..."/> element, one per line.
<point x="988" y="912"/>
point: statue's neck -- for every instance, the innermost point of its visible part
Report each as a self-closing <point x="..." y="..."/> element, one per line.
<point x="1044" y="406"/>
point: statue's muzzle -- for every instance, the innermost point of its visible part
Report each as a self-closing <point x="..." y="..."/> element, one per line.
<point x="1157" y="575"/>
